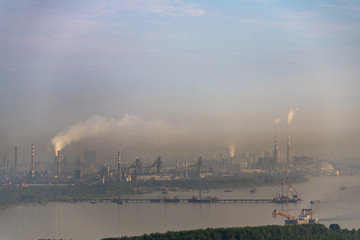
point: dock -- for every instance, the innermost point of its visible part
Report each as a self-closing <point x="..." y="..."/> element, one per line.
<point x="167" y="200"/>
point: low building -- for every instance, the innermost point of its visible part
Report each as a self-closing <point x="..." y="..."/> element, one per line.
<point x="324" y="167"/>
<point x="266" y="163"/>
<point x="307" y="161"/>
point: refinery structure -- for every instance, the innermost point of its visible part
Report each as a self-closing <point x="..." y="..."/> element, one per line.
<point x="88" y="168"/>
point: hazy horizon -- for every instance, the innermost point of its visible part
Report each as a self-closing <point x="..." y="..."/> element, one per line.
<point x="180" y="78"/>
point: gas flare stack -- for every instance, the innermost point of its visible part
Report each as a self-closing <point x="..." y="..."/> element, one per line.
<point x="288" y="153"/>
<point x="15" y="170"/>
<point x="58" y="167"/>
<point x="119" y="167"/>
<point x="290" y="118"/>
<point x="31" y="172"/>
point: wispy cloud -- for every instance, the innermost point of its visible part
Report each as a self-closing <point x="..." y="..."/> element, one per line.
<point x="164" y="7"/>
<point x="298" y="15"/>
<point x="344" y="7"/>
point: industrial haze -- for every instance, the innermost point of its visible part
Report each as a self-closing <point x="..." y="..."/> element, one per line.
<point x="179" y="79"/>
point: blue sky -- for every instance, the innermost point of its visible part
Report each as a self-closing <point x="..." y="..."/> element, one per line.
<point x="224" y="69"/>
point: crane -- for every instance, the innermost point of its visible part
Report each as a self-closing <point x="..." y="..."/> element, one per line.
<point x="284" y="214"/>
<point x="306" y="216"/>
<point x="292" y="190"/>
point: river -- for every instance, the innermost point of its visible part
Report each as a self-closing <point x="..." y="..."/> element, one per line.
<point x="339" y="203"/>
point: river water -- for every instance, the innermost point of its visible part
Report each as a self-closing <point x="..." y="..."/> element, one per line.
<point x="339" y="203"/>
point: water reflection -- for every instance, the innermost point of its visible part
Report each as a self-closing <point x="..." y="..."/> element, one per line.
<point x="95" y="221"/>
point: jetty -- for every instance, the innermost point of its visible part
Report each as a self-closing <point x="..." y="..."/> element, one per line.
<point x="168" y="200"/>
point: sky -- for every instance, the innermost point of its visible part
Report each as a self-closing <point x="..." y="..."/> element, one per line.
<point x="179" y="78"/>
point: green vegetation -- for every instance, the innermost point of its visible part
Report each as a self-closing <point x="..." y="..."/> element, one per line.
<point x="304" y="231"/>
<point x="236" y="181"/>
<point x="43" y="194"/>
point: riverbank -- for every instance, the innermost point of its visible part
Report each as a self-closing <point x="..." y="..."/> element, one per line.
<point x="44" y="194"/>
<point x="57" y="220"/>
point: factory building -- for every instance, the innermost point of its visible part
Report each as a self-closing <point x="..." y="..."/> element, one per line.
<point x="90" y="157"/>
<point x="306" y="161"/>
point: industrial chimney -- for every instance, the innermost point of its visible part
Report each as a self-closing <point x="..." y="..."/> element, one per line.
<point x="276" y="151"/>
<point x="58" y="167"/>
<point x="32" y="160"/>
<point x="15" y="170"/>
<point x="222" y="160"/>
<point x="119" y="167"/>
<point x="288" y="153"/>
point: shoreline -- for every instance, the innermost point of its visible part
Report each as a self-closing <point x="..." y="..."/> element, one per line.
<point x="45" y="194"/>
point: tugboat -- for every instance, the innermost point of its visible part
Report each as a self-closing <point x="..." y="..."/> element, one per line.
<point x="253" y="190"/>
<point x="281" y="198"/>
<point x="315" y="202"/>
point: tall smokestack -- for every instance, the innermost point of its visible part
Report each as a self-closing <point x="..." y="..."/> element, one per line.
<point x="288" y="153"/>
<point x="58" y="167"/>
<point x="32" y="159"/>
<point x="231" y="154"/>
<point x="222" y="160"/>
<point x="276" y="151"/>
<point x="15" y="170"/>
<point x="119" y="167"/>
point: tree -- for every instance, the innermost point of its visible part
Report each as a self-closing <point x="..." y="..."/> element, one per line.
<point x="335" y="227"/>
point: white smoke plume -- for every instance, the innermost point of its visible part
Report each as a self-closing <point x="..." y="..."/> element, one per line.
<point x="276" y="121"/>
<point x="232" y="150"/>
<point x="84" y="129"/>
<point x="129" y="127"/>
<point x="291" y="115"/>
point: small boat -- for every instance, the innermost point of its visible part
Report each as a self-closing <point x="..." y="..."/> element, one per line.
<point x="227" y="190"/>
<point x="315" y="202"/>
<point x="253" y="190"/>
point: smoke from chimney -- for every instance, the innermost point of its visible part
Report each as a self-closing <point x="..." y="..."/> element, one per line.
<point x="84" y="129"/>
<point x="291" y="115"/>
<point x="288" y="145"/>
<point x="232" y="150"/>
<point x="276" y="121"/>
<point x="129" y="129"/>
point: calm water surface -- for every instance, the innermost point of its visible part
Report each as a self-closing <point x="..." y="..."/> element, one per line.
<point x="82" y="221"/>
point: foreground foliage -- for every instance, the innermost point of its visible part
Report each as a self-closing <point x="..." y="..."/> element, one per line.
<point x="304" y="231"/>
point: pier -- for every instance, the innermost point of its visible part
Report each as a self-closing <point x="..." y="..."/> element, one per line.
<point x="167" y="200"/>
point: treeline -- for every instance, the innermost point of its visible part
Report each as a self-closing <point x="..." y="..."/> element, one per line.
<point x="43" y="194"/>
<point x="236" y="181"/>
<point x="303" y="231"/>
